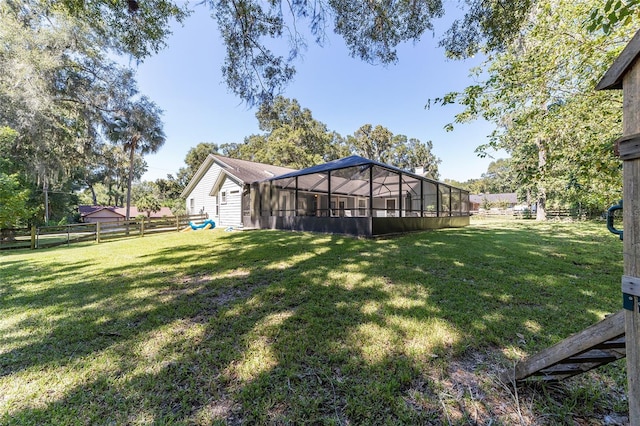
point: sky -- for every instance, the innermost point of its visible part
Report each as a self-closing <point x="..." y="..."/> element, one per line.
<point x="185" y="80"/>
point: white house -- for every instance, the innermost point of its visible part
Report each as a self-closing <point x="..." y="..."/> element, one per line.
<point x="221" y="188"/>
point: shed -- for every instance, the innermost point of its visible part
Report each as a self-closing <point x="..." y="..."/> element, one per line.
<point x="93" y="214"/>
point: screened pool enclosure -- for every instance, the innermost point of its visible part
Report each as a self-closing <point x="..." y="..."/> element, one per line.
<point x="356" y="196"/>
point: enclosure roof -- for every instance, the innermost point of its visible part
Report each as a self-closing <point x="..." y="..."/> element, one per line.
<point x="342" y="163"/>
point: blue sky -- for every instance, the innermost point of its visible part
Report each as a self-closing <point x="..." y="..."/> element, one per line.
<point x="185" y="80"/>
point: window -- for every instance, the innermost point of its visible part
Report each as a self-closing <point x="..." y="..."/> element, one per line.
<point x="391" y="207"/>
<point x="192" y="204"/>
<point x="362" y="207"/>
<point x="217" y="205"/>
<point x="223" y="197"/>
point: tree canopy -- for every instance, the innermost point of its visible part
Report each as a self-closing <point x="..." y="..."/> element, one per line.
<point x="14" y="208"/>
<point x="292" y="138"/>
<point x="257" y="68"/>
<point x="138" y="127"/>
<point x="380" y="144"/>
<point x="539" y="91"/>
<point x="60" y="91"/>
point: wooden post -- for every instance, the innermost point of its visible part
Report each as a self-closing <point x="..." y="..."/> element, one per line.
<point x="33" y="237"/>
<point x="98" y="232"/>
<point x="631" y="224"/>
<point x="142" y="228"/>
<point x="625" y="74"/>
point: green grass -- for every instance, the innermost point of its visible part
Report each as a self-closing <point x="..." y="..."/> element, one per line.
<point x="273" y="327"/>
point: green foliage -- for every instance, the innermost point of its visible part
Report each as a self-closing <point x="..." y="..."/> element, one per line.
<point x="371" y="32"/>
<point x="498" y="179"/>
<point x="151" y="196"/>
<point x="380" y="144"/>
<point x="540" y="93"/>
<point x="106" y="176"/>
<point x="194" y="159"/>
<point x="13" y="202"/>
<point x="293" y="138"/>
<point x="614" y="13"/>
<point x="136" y="28"/>
<point x="14" y="197"/>
<point x="257" y="69"/>
<point x="61" y="91"/>
<point x="138" y="127"/>
<point x="147" y="202"/>
<point x="458" y="184"/>
<point x="168" y="189"/>
<point x="196" y="156"/>
<point x="486" y="26"/>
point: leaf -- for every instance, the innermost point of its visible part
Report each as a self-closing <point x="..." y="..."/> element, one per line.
<point x="607" y="6"/>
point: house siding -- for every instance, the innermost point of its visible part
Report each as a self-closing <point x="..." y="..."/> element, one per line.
<point x="202" y="201"/>
<point x="231" y="211"/>
<point x="103" y="216"/>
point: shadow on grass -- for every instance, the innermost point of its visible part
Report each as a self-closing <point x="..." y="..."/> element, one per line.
<point x="271" y="327"/>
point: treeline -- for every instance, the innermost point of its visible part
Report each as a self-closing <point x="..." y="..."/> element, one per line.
<point x="292" y="138"/>
<point x="74" y="129"/>
<point x="539" y="91"/>
<point x="70" y="116"/>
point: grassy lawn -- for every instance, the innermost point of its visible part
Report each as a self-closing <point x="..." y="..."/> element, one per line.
<point x="273" y="327"/>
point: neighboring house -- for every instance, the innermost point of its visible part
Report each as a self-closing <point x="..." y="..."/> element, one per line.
<point x="352" y="195"/>
<point x="218" y="186"/>
<point x="506" y="200"/>
<point x="93" y="214"/>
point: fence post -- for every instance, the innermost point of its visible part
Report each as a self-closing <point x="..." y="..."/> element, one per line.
<point x="142" y="227"/>
<point x="625" y="74"/>
<point x="33" y="237"/>
<point x="177" y="223"/>
<point x="98" y="232"/>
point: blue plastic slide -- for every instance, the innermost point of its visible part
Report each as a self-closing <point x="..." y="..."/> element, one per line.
<point x="207" y="224"/>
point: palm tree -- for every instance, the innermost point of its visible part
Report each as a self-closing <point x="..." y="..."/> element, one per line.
<point x="139" y="128"/>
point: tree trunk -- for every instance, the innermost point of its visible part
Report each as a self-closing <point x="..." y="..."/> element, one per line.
<point x="45" y="189"/>
<point x="134" y="142"/>
<point x="93" y="194"/>
<point x="541" y="213"/>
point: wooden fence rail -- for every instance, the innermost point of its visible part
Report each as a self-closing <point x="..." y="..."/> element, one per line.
<point x="50" y="236"/>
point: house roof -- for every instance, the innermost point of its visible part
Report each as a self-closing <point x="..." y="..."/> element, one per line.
<point x="242" y="171"/>
<point x="509" y="197"/>
<point x="612" y="79"/>
<point x="94" y="210"/>
<point x="250" y="171"/>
